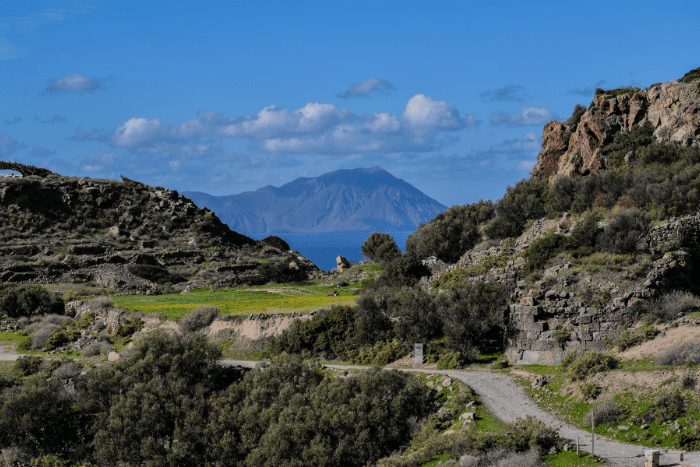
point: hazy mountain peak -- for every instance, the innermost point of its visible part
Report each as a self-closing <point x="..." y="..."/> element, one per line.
<point x="343" y="200"/>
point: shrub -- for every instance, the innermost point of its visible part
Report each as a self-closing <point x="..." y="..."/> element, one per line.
<point x="639" y="136"/>
<point x="199" y="318"/>
<point x="128" y="326"/>
<point x="473" y="318"/>
<point x="406" y="270"/>
<point x="668" y="406"/>
<point x="276" y="242"/>
<point x="530" y="433"/>
<point x="687" y="353"/>
<point x="562" y="335"/>
<point x="522" y="202"/>
<point x="380" y="354"/>
<point x="41" y="336"/>
<point x="28" y="300"/>
<point x="281" y="272"/>
<point x="590" y="390"/>
<point x="28" y="365"/>
<point x="606" y="411"/>
<point x="542" y="250"/>
<point x="669" y="306"/>
<point x="580" y="366"/>
<point x="380" y="248"/>
<point x="60" y="337"/>
<point x="585" y="232"/>
<point x="451" y="233"/>
<point x="624" y="231"/>
<point x="690" y="439"/>
<point x="633" y="337"/>
<point x="96" y="348"/>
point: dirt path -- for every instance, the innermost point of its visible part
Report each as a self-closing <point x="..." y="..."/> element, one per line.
<point x="507" y="400"/>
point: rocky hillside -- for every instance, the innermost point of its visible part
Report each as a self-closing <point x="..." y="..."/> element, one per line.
<point x="123" y="235"/>
<point x="580" y="144"/>
<point x="606" y="234"/>
<point x="341" y="201"/>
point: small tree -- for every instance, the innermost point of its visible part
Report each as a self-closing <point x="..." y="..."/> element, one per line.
<point x="380" y="248"/>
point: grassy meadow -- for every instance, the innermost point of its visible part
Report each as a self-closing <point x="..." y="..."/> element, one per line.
<point x="285" y="298"/>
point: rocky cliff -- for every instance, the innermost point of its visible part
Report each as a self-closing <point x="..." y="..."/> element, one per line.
<point x="123" y="235"/>
<point x="578" y="145"/>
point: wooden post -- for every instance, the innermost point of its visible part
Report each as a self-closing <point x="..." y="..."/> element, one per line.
<point x="578" y="442"/>
<point x="592" y="436"/>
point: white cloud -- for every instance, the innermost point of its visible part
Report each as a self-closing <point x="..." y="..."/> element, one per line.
<point x="138" y="131"/>
<point x="318" y="128"/>
<point x="423" y="112"/>
<point x="273" y="122"/>
<point x="528" y="116"/>
<point x="368" y="87"/>
<point x="75" y="83"/>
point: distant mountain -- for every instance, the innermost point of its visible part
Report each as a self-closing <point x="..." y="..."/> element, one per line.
<point x="340" y="201"/>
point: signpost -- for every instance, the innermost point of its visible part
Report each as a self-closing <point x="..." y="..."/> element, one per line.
<point x="418" y="354"/>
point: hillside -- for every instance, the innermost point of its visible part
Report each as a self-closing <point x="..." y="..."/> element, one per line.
<point x="344" y="200"/>
<point x="123" y="235"/>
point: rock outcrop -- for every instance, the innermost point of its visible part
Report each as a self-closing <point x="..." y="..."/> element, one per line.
<point x="122" y="235"/>
<point x="576" y="146"/>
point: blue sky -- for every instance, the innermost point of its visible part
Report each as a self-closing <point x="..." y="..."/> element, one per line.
<point x="228" y="96"/>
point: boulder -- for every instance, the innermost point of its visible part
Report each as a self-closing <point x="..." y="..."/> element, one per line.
<point x="342" y="263"/>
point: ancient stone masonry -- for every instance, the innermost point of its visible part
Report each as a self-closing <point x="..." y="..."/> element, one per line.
<point x="122" y="235"/>
<point x="576" y="147"/>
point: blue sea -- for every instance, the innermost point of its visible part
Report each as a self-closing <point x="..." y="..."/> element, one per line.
<point x="322" y="248"/>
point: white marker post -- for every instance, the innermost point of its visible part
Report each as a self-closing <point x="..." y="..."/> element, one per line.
<point x="418" y="354"/>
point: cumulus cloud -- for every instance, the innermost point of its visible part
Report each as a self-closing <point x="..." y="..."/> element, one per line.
<point x="9" y="146"/>
<point x="509" y="92"/>
<point x="318" y="128"/>
<point x="423" y="112"/>
<point x="368" y="87"/>
<point x="75" y="83"/>
<point x="527" y="116"/>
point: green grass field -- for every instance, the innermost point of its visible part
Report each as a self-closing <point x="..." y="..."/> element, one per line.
<point x="285" y="298"/>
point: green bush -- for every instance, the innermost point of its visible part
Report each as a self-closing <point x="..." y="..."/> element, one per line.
<point x="585" y="232"/>
<point x="276" y="242"/>
<point x="531" y="433"/>
<point x="624" y="231"/>
<point x="542" y="250"/>
<point x="380" y="248"/>
<point x="668" y="406"/>
<point x="606" y="411"/>
<point x="199" y="318"/>
<point x="632" y="337"/>
<point x="404" y="271"/>
<point x="451" y="233"/>
<point x="28" y="365"/>
<point x="473" y="318"/>
<point x="581" y="365"/>
<point x="522" y="202"/>
<point x="128" y="326"/>
<point x="61" y="337"/>
<point x="29" y="300"/>
<point x="380" y="354"/>
<point x="590" y="390"/>
<point x="639" y="136"/>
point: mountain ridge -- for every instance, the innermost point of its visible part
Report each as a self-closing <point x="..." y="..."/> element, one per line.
<point x="343" y="200"/>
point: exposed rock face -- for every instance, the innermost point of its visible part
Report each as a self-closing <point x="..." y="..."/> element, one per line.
<point x="576" y="146"/>
<point x="121" y="235"/>
<point x="342" y="263"/>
